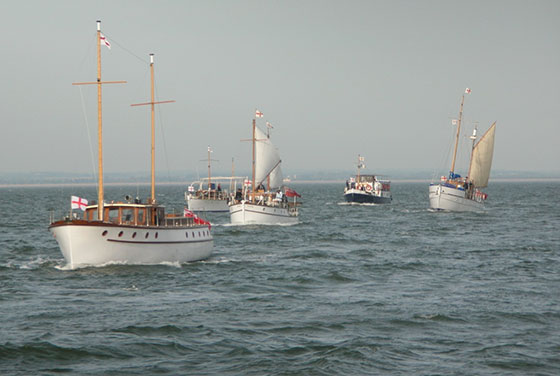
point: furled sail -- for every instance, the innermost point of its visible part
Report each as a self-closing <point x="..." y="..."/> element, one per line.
<point x="481" y="159"/>
<point x="267" y="161"/>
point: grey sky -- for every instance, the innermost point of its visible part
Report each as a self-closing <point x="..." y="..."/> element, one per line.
<point x="335" y="78"/>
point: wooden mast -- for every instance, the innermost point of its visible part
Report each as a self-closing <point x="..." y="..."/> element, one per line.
<point x="152" y="103"/>
<point x="254" y="163"/>
<point x="457" y="136"/>
<point x="99" y="123"/>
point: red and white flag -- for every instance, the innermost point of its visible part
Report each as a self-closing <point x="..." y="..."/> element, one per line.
<point x="467" y="91"/>
<point x="104" y="40"/>
<point x="79" y="203"/>
<point x="258" y="114"/>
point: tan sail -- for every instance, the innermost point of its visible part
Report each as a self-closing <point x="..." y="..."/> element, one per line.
<point x="481" y="159"/>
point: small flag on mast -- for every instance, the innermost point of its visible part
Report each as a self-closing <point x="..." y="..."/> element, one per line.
<point x="454" y="122"/>
<point x="104" y="40"/>
<point x="258" y="114"/>
<point x="467" y="91"/>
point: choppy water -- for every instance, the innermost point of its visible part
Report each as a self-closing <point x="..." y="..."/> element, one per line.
<point x="350" y="290"/>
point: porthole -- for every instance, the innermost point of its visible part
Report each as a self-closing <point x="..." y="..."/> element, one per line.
<point x="133" y="235"/>
<point x="104" y="233"/>
<point x="147" y="234"/>
<point x="156" y="235"/>
<point x="120" y="234"/>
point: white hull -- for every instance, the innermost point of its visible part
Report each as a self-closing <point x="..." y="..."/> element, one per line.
<point x="443" y="197"/>
<point x="247" y="213"/>
<point x="206" y="205"/>
<point x="99" y="244"/>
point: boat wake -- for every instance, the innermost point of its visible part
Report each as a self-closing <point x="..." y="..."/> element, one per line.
<point x="357" y="204"/>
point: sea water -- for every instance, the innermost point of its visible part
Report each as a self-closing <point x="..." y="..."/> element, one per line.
<point x="350" y="290"/>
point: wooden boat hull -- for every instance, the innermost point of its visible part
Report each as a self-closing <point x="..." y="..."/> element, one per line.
<point x="444" y="197"/>
<point x="248" y="213"/>
<point x="357" y="196"/>
<point x="85" y="243"/>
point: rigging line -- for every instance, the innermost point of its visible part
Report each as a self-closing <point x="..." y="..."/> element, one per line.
<point x="89" y="139"/>
<point x="163" y="139"/>
<point x="112" y="40"/>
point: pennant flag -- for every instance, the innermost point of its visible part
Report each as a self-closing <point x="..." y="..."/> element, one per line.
<point x="269" y="125"/>
<point x="454" y="122"/>
<point x="79" y="203"/>
<point x="291" y="193"/>
<point x="467" y="91"/>
<point x="258" y="114"/>
<point x="104" y="40"/>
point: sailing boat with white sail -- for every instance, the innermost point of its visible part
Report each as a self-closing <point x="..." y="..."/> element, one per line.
<point x="456" y="193"/>
<point x="264" y="199"/>
<point x="129" y="232"/>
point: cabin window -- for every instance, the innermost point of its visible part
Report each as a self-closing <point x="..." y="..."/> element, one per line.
<point x="133" y="235"/>
<point x="120" y="234"/>
<point x="147" y="234"/>
<point x="156" y="235"/>
<point x="113" y="215"/>
<point x="187" y="234"/>
<point x="141" y="218"/>
<point x="92" y="215"/>
<point x="127" y="215"/>
<point x="193" y="234"/>
<point x="104" y="233"/>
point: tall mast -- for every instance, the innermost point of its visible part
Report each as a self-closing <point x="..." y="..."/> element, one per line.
<point x="232" y="175"/>
<point x="457" y="136"/>
<point x="152" y="104"/>
<point x="209" y="175"/>
<point x="360" y="159"/>
<point x="99" y="129"/>
<point x="99" y="122"/>
<point x="254" y="148"/>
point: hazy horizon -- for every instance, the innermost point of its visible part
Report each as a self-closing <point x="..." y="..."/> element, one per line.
<point x="336" y="79"/>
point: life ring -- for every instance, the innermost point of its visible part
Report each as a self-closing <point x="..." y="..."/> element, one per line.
<point x="368" y="188"/>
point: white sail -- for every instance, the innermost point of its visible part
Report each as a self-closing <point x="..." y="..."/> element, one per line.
<point x="267" y="161"/>
<point x="481" y="159"/>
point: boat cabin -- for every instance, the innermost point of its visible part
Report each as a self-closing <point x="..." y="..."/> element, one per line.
<point x="136" y="215"/>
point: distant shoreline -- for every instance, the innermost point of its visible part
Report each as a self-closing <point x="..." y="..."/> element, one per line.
<point x="184" y="183"/>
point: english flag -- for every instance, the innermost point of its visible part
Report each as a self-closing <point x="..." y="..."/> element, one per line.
<point x="79" y="203"/>
<point x="104" y="40"/>
<point x="258" y="114"/>
<point x="467" y="91"/>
